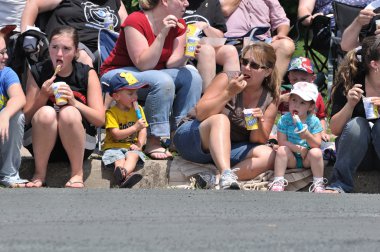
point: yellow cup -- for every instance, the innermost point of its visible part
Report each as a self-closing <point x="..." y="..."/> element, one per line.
<point x="191" y="45"/>
<point x="58" y="99"/>
<point x="250" y="120"/>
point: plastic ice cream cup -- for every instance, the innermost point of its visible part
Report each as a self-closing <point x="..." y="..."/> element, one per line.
<point x="371" y="111"/>
<point x="250" y="120"/>
<point x="191" y="45"/>
<point x="58" y="96"/>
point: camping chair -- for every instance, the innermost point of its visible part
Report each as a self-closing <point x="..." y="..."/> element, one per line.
<point x="344" y="15"/>
<point x="316" y="41"/>
<point x="106" y="43"/>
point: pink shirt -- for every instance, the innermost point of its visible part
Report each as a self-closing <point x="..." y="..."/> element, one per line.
<point x="254" y="13"/>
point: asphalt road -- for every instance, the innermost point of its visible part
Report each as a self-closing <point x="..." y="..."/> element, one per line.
<point x="186" y="220"/>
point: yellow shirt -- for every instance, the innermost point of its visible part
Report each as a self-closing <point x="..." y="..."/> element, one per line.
<point x="117" y="118"/>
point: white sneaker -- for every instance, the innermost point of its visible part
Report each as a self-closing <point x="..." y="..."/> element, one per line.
<point x="278" y="185"/>
<point x="228" y="180"/>
<point x="318" y="186"/>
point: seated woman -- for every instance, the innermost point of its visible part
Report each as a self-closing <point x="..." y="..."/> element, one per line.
<point x="86" y="17"/>
<point x="208" y="17"/>
<point x="151" y="47"/>
<point x="218" y="133"/>
<point x="61" y="132"/>
<point x="358" y="140"/>
<point x="12" y="99"/>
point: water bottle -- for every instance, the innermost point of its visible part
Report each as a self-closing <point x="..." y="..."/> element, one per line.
<point x="108" y="21"/>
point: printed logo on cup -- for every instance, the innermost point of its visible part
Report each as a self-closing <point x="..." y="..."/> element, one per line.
<point x="250" y="120"/>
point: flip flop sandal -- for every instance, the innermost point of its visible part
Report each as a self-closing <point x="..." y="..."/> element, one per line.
<point x="119" y="174"/>
<point x="165" y="151"/>
<point x="131" y="180"/>
<point x="70" y="184"/>
<point x="36" y="182"/>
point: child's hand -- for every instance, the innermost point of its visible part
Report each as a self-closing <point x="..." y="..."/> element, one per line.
<point x="140" y="124"/>
<point x="284" y="98"/>
<point x="303" y="151"/>
<point x="325" y="136"/>
<point x="135" y="147"/>
<point x="46" y="88"/>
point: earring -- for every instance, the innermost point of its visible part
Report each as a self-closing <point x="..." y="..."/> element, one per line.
<point x="376" y="70"/>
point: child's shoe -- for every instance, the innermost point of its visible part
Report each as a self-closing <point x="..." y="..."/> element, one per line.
<point x="318" y="185"/>
<point x="278" y="185"/>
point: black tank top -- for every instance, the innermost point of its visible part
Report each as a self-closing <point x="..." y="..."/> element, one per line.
<point x="87" y="17"/>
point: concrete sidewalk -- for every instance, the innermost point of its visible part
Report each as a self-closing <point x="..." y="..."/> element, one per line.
<point x="156" y="174"/>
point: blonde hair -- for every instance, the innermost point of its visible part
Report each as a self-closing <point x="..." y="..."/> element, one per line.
<point x="148" y="4"/>
<point x="265" y="55"/>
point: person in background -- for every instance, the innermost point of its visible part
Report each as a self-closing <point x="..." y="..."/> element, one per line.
<point x="11" y="11"/>
<point x="358" y="143"/>
<point x="208" y="17"/>
<point x="125" y="131"/>
<point x="12" y="100"/>
<point x="62" y="132"/>
<point x="244" y="15"/>
<point x="87" y="17"/>
<point x="215" y="131"/>
<point x="314" y="8"/>
<point x="301" y="69"/>
<point x="299" y="144"/>
<point x="151" y="47"/>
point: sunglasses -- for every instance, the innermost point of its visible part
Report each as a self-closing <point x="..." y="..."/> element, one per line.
<point x="4" y="51"/>
<point x="252" y="65"/>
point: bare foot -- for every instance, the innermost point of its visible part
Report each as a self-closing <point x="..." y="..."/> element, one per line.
<point x="35" y="183"/>
<point x="158" y="152"/>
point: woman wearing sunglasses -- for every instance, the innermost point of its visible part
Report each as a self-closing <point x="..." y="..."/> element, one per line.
<point x="215" y="130"/>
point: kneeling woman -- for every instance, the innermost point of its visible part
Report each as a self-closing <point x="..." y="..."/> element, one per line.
<point x="218" y="133"/>
<point x="61" y="132"/>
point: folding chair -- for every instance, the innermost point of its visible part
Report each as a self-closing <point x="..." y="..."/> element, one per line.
<point x="106" y="43"/>
<point x="316" y="41"/>
<point x="344" y="15"/>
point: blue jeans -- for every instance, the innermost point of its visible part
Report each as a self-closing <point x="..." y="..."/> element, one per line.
<point x="10" y="158"/>
<point x="171" y="94"/>
<point x="187" y="140"/>
<point x="353" y="145"/>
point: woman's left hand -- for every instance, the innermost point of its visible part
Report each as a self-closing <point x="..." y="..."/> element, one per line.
<point x="258" y="113"/>
<point x="67" y="93"/>
<point x="376" y="101"/>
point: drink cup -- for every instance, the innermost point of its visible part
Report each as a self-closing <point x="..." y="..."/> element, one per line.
<point x="250" y="120"/>
<point x="371" y="111"/>
<point x="58" y="99"/>
<point x="377" y="24"/>
<point x="191" y="45"/>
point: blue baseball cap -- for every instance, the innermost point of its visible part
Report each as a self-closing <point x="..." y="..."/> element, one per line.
<point x="124" y="80"/>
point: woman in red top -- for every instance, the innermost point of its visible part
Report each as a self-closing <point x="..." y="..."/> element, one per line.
<point x="151" y="46"/>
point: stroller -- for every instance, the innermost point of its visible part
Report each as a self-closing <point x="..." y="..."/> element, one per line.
<point x="27" y="49"/>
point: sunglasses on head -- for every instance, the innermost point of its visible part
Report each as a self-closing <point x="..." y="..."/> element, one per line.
<point x="252" y="65"/>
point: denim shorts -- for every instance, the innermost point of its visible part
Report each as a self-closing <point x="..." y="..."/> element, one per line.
<point x="110" y="156"/>
<point x="187" y="140"/>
